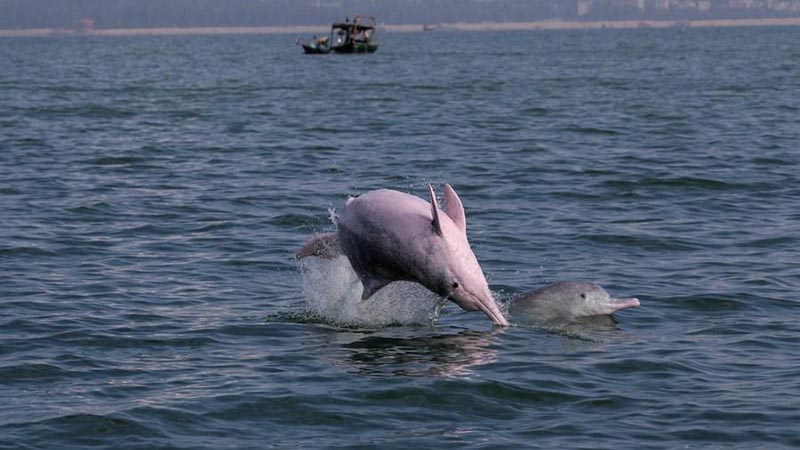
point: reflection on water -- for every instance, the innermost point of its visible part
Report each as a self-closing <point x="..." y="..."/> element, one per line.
<point x="449" y="356"/>
<point x="600" y="328"/>
<point x="412" y="352"/>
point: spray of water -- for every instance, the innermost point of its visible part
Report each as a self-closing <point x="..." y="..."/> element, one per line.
<point x="333" y="293"/>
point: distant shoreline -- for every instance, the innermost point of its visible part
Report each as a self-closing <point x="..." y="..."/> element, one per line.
<point x="459" y="26"/>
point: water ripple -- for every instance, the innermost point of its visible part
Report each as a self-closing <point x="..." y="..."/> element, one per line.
<point x="154" y="193"/>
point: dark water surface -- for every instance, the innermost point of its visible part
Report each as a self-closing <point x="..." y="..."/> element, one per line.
<point x="153" y="192"/>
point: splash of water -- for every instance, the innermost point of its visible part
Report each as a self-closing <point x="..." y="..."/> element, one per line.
<point x="333" y="293"/>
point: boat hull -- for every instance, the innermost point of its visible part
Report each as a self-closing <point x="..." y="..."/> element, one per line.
<point x="315" y="50"/>
<point x="356" y="49"/>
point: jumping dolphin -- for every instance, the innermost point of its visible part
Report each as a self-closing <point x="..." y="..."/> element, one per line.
<point x="389" y="236"/>
<point x="566" y="301"/>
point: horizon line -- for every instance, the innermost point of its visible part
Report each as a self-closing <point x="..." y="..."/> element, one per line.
<point x="554" y="24"/>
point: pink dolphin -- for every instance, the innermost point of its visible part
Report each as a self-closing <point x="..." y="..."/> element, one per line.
<point x="390" y="236"/>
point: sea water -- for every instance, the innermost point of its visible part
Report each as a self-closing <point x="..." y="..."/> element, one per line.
<point x="154" y="191"/>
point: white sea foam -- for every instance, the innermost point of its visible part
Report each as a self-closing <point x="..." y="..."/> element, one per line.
<point x="333" y="293"/>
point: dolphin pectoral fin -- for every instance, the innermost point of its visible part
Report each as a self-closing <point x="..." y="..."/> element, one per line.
<point x="372" y="284"/>
<point x="454" y="208"/>
<point x="437" y="225"/>
<point x="326" y="246"/>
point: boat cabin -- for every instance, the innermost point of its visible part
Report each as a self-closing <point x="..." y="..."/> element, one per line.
<point x="358" y="36"/>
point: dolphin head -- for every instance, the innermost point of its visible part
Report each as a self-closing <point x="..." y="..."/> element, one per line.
<point x="571" y="299"/>
<point x="590" y="299"/>
<point x="462" y="280"/>
<point x="466" y="286"/>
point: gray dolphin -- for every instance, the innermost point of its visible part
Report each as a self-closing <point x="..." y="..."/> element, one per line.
<point x="565" y="302"/>
<point x="389" y="236"/>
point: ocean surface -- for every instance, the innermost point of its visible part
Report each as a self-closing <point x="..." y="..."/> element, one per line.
<point x="154" y="191"/>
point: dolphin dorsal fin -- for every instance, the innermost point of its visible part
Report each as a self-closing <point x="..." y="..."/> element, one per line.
<point x="454" y="208"/>
<point x="437" y="225"/>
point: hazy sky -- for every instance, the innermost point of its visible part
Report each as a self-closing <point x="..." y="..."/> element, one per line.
<point x="148" y="13"/>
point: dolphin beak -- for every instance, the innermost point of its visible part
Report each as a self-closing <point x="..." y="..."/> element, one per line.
<point x="490" y="308"/>
<point x="618" y="304"/>
<point x="481" y="301"/>
<point x="496" y="316"/>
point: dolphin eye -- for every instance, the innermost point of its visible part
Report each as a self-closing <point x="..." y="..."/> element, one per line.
<point x="455" y="285"/>
<point x="583" y="295"/>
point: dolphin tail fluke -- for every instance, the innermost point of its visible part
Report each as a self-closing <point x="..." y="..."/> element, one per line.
<point x="326" y="246"/>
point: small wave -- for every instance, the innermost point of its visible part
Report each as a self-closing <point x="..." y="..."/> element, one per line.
<point x="709" y="303"/>
<point x="212" y="227"/>
<point x="333" y="293"/>
<point x="690" y="182"/>
<point x="25" y="251"/>
<point x="535" y="111"/>
<point x="30" y="371"/>
<point x="95" y="111"/>
<point x="766" y="161"/>
<point x="772" y="243"/>
<point x="643" y="242"/>
<point x="96" y="208"/>
<point x="114" y="161"/>
<point x="380" y="99"/>
<point x="592" y="131"/>
<point x="680" y="182"/>
<point x="432" y="87"/>
<point x="663" y="367"/>
<point x="87" y="430"/>
<point x="126" y="338"/>
<point x="289" y="409"/>
<point x="295" y="220"/>
<point x="9" y="191"/>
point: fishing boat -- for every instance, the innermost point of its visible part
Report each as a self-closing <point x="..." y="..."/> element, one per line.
<point x="318" y="46"/>
<point x="358" y="36"/>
